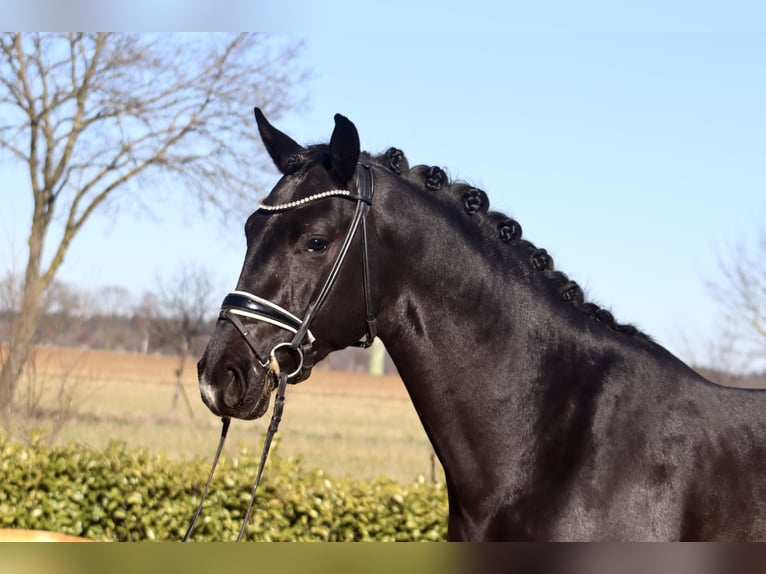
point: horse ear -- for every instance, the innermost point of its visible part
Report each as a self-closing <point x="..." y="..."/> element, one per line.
<point x="280" y="146"/>
<point x="344" y="148"/>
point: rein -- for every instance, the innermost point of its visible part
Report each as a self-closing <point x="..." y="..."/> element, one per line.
<point x="239" y="305"/>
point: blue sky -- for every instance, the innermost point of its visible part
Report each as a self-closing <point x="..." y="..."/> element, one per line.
<point x="632" y="149"/>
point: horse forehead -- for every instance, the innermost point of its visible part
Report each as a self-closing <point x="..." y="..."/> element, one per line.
<point x="269" y="234"/>
<point x="307" y="181"/>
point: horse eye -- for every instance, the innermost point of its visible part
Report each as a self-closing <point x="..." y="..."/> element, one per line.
<point x="316" y="244"/>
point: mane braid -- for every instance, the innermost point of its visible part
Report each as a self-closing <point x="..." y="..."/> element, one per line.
<point x="474" y="202"/>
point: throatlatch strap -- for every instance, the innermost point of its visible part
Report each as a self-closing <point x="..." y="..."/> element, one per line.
<point x="369" y="303"/>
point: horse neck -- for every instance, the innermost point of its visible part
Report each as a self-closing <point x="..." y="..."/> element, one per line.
<point x="491" y="353"/>
<point x="456" y="325"/>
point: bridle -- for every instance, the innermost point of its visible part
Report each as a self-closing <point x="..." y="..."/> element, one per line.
<point x="240" y="307"/>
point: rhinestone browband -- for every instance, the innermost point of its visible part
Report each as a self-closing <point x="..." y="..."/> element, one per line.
<point x="305" y="200"/>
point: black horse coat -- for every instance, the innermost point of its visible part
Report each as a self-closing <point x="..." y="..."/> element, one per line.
<point x="552" y="421"/>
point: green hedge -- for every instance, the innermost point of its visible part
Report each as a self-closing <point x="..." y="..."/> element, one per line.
<point x="124" y="494"/>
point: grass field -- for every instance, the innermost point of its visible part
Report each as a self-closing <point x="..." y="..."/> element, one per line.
<point x="345" y="423"/>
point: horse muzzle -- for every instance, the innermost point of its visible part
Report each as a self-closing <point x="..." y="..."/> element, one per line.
<point x="234" y="392"/>
<point x="237" y="381"/>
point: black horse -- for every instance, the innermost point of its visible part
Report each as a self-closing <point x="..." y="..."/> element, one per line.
<point x="552" y="421"/>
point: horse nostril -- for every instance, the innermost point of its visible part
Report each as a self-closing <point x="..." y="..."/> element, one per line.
<point x="233" y="389"/>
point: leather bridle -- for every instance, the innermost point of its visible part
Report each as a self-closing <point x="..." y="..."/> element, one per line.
<point x="239" y="307"/>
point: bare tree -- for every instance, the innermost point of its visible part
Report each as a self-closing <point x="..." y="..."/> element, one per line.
<point x="741" y="293"/>
<point x="92" y="115"/>
<point x="112" y="301"/>
<point x="62" y="307"/>
<point x="60" y="304"/>
<point x="186" y="303"/>
<point x="144" y="315"/>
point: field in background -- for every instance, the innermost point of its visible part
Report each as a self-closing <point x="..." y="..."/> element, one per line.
<point x="345" y="423"/>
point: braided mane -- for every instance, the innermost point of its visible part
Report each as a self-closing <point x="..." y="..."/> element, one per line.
<point x="475" y="203"/>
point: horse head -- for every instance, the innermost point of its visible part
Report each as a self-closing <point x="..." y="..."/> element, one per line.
<point x="292" y="306"/>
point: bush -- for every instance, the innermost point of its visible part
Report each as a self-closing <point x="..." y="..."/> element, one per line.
<point x="123" y="494"/>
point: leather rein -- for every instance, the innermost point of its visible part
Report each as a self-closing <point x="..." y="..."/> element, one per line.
<point x="238" y="307"/>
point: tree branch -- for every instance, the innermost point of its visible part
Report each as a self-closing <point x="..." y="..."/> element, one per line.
<point x="104" y="108"/>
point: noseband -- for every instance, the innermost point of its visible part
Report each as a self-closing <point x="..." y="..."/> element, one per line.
<point x="241" y="306"/>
